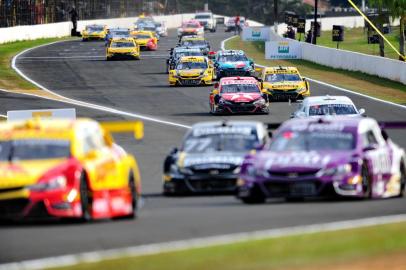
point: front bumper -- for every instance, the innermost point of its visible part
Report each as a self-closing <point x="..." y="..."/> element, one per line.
<point x="284" y="95"/>
<point x="93" y="37"/>
<point x="231" y="72"/>
<point x="201" y="184"/>
<point x="123" y="55"/>
<point x="190" y="81"/>
<point x="41" y="205"/>
<point x="240" y="108"/>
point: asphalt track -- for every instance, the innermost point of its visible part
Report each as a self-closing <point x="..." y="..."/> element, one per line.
<point x="77" y="70"/>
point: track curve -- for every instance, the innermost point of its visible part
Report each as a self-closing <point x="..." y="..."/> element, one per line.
<point x="77" y="70"/>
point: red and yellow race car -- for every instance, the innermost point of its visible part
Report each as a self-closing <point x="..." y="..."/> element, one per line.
<point x="146" y="40"/>
<point x="67" y="168"/>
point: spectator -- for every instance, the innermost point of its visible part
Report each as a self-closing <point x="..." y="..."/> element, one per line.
<point x="237" y="28"/>
<point x="74" y="18"/>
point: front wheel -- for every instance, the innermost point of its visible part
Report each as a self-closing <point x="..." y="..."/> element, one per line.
<point x="402" y="180"/>
<point x="366" y="182"/>
<point x="85" y="199"/>
<point x="255" y="197"/>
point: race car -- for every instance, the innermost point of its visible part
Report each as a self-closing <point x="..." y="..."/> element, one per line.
<point x="233" y="63"/>
<point x="238" y="95"/>
<point x="339" y="156"/>
<point x="66" y="168"/>
<point x="210" y="157"/>
<point x="123" y="48"/>
<point x="191" y="70"/>
<point x="94" y="32"/>
<point x="177" y="52"/>
<point x="116" y="33"/>
<point x="150" y="27"/>
<point x="191" y="27"/>
<point x="146" y="40"/>
<point x="195" y="42"/>
<point x="230" y="24"/>
<point x="317" y="106"/>
<point x="284" y="83"/>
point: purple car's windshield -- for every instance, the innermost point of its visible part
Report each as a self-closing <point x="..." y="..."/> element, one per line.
<point x="313" y="141"/>
<point x="332" y="109"/>
<point x="33" y="149"/>
<point x="220" y="142"/>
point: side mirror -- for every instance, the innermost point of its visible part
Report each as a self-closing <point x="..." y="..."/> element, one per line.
<point x="270" y="134"/>
<point x="361" y="111"/>
<point x="217" y="98"/>
<point x="300" y="115"/>
<point x="304" y="79"/>
<point x="174" y="150"/>
<point x="384" y="134"/>
<point x="369" y="148"/>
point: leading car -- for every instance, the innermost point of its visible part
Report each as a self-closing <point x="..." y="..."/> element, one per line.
<point x="63" y="168"/>
<point x="348" y="157"/>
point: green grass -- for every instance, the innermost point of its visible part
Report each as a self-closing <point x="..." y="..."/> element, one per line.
<point x="9" y="79"/>
<point x="355" y="39"/>
<point x="294" y="252"/>
<point x="356" y="81"/>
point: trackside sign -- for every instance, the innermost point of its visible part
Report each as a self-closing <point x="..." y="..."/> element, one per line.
<point x="284" y="49"/>
<point x="256" y="33"/>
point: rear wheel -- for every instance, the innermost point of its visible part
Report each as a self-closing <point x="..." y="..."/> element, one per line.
<point x="366" y="182"/>
<point x="255" y="197"/>
<point x="134" y="197"/>
<point x="402" y="180"/>
<point x="85" y="201"/>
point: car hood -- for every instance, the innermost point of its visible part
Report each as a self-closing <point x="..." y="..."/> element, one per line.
<point x="217" y="160"/>
<point x="25" y="173"/>
<point x="293" y="161"/>
<point x="190" y="72"/>
<point x="239" y="64"/>
<point x="241" y="97"/>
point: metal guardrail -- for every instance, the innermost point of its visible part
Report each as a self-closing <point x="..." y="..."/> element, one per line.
<point x="29" y="12"/>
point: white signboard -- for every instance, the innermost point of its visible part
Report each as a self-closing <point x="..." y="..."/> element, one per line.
<point x="284" y="49"/>
<point x="256" y="33"/>
<point x="51" y="113"/>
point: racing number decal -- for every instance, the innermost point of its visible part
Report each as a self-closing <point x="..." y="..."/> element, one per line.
<point x="380" y="162"/>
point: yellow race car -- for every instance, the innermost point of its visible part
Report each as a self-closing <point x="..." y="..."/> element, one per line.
<point x="146" y="40"/>
<point x="191" y="70"/>
<point x="94" y="32"/>
<point x="283" y="83"/>
<point x="122" y="48"/>
<point x="67" y="168"/>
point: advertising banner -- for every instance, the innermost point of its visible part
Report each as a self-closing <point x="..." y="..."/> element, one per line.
<point x="285" y="49"/>
<point x="256" y="33"/>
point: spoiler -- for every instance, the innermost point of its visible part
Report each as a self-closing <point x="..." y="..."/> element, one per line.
<point x="271" y="126"/>
<point x="392" y="124"/>
<point x="136" y="127"/>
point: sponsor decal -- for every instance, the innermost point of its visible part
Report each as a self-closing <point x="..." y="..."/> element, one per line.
<point x="256" y="34"/>
<point x="212" y="160"/>
<point x="298" y="159"/>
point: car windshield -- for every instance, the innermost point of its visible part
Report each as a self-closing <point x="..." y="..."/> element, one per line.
<point x="202" y="16"/>
<point x="186" y="43"/>
<point x="158" y="24"/>
<point x="95" y="28"/>
<point x="191" y="25"/>
<point x="332" y="109"/>
<point x="122" y="44"/>
<point x="220" y="142"/>
<point x="33" y="149"/>
<point x="313" y="141"/>
<point x="239" y="88"/>
<point x="232" y="58"/>
<point x="120" y="33"/>
<point x="141" y="36"/>
<point x="191" y="65"/>
<point x="282" y="77"/>
<point x="149" y="28"/>
<point x="188" y="53"/>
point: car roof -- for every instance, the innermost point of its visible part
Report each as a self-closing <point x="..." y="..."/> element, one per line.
<point x="308" y="101"/>
<point x="280" y="69"/>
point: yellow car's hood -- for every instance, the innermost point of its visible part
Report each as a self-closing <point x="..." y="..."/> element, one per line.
<point x="283" y="85"/>
<point x="190" y="72"/>
<point x="25" y="173"/>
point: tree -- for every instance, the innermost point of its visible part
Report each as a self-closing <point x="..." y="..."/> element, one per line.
<point x="397" y="9"/>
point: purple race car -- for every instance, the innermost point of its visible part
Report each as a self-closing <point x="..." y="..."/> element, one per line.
<point x="326" y="156"/>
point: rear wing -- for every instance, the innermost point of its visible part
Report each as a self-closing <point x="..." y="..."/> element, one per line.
<point x="135" y="127"/>
<point x="392" y="124"/>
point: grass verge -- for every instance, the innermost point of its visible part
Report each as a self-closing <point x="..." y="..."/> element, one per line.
<point x="310" y="251"/>
<point x="356" y="81"/>
<point x="9" y="79"/>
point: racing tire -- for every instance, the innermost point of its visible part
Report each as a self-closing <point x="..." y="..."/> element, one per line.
<point x="85" y="200"/>
<point x="402" y="180"/>
<point x="137" y="58"/>
<point x="366" y="182"/>
<point x="134" y="198"/>
<point x="255" y="197"/>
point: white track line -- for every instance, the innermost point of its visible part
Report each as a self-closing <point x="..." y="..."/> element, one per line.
<point x="150" y="249"/>
<point x="81" y="103"/>
<point x="333" y="86"/>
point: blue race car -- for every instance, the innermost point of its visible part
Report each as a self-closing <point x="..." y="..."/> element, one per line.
<point x="230" y="63"/>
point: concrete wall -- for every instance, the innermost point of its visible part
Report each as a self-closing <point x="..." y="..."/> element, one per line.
<point x="28" y="32"/>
